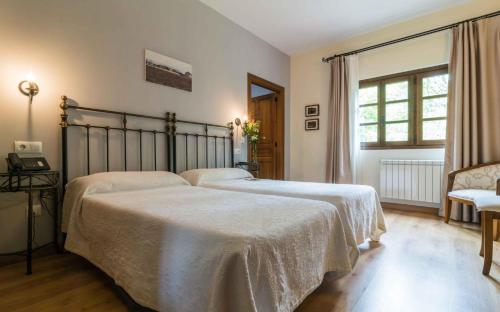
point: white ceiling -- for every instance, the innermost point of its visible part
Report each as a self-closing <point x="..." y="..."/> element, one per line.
<point x="295" y="26"/>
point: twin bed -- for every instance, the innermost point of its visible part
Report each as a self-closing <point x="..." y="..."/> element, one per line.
<point x="214" y="239"/>
<point x="358" y="205"/>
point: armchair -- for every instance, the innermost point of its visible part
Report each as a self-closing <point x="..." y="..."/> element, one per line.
<point x="468" y="184"/>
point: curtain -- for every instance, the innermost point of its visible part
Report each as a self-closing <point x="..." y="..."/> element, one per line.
<point x="473" y="132"/>
<point x="343" y="138"/>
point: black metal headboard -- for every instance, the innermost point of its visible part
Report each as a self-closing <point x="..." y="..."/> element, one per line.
<point x="194" y="136"/>
<point x="218" y="134"/>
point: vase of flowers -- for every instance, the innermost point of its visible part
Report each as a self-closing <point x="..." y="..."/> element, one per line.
<point x="251" y="130"/>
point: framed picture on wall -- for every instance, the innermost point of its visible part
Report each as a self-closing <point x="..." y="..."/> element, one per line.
<point x="312" y="110"/>
<point x="312" y="124"/>
<point x="168" y="71"/>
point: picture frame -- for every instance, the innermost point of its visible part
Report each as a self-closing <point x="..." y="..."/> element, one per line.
<point x="312" y="110"/>
<point x="311" y="124"/>
<point x="168" y="71"/>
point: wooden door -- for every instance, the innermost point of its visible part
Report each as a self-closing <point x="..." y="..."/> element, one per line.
<point x="263" y="109"/>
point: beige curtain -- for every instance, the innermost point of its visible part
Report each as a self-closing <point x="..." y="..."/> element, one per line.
<point x="342" y="138"/>
<point x="473" y="132"/>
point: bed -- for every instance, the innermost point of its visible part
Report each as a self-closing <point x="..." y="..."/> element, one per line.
<point x="175" y="247"/>
<point x="358" y="205"/>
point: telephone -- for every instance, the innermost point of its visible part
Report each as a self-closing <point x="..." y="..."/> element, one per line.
<point x="17" y="163"/>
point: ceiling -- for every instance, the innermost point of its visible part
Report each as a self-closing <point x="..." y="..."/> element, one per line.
<point x="296" y="26"/>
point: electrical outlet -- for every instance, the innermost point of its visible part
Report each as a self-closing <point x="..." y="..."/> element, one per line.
<point x="37" y="210"/>
<point x="27" y="147"/>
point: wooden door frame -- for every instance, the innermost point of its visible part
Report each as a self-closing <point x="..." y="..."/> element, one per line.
<point x="280" y="116"/>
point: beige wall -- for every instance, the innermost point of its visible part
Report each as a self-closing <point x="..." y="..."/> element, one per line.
<point x="93" y="51"/>
<point x="310" y="84"/>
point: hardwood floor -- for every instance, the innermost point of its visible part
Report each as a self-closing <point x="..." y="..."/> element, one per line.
<point x="421" y="264"/>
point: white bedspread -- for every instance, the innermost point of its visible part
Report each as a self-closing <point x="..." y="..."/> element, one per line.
<point x="358" y="205"/>
<point x="184" y="248"/>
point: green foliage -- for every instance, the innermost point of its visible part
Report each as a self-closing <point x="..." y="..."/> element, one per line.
<point x="251" y="129"/>
<point x="368" y="114"/>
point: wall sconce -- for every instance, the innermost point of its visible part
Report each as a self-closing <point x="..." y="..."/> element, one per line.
<point x="28" y="87"/>
<point x="237" y="121"/>
<point x="240" y="124"/>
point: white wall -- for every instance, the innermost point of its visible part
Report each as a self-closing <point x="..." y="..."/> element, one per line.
<point x="310" y="84"/>
<point x="93" y="51"/>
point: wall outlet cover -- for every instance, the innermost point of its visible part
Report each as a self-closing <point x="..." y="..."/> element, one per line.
<point x="28" y="147"/>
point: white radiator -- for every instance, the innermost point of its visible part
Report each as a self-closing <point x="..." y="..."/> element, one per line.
<point x="416" y="182"/>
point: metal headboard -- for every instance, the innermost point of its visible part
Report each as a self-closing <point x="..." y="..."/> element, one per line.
<point x="66" y="123"/>
<point x="227" y="139"/>
<point x="171" y="124"/>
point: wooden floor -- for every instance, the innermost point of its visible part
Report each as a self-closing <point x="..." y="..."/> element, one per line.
<point x="421" y="264"/>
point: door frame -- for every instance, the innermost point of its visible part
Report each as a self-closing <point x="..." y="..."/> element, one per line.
<point x="280" y="116"/>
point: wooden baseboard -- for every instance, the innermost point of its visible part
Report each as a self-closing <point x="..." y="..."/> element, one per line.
<point x="429" y="210"/>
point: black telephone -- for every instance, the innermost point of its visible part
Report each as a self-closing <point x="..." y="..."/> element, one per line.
<point x="17" y="163"/>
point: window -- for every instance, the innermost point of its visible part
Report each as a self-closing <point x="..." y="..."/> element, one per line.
<point x="404" y="110"/>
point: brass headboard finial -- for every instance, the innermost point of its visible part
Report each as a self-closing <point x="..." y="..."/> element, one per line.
<point x="64" y="114"/>
<point x="64" y="103"/>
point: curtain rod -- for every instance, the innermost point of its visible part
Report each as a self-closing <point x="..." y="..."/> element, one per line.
<point x="424" y="33"/>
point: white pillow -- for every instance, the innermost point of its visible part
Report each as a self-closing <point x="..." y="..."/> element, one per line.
<point x="109" y="182"/>
<point x="198" y="176"/>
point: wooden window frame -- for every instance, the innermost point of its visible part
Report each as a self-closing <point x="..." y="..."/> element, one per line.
<point x="415" y="109"/>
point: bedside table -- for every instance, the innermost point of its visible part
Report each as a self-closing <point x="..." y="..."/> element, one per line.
<point x="252" y="167"/>
<point x="46" y="183"/>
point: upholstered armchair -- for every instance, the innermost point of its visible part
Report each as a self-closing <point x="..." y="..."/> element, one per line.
<point x="467" y="184"/>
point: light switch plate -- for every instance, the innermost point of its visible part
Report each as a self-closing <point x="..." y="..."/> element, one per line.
<point x="27" y="147"/>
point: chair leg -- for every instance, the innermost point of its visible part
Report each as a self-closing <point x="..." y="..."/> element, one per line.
<point x="483" y="221"/>
<point x="447" y="210"/>
<point x="496" y="230"/>
<point x="488" y="241"/>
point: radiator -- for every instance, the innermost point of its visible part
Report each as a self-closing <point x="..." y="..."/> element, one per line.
<point x="416" y="182"/>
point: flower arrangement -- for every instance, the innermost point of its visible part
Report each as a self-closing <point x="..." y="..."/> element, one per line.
<point x="251" y="130"/>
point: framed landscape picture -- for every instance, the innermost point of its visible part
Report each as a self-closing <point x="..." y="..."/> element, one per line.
<point x="312" y="110"/>
<point x="168" y="71"/>
<point x="312" y="124"/>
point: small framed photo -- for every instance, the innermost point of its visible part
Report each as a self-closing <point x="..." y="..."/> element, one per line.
<point x="312" y="110"/>
<point x="312" y="124"/>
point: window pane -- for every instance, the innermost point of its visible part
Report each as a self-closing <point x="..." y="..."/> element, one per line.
<point x="434" y="130"/>
<point x="368" y="114"/>
<point x="434" y="107"/>
<point x="368" y="133"/>
<point x="396" y="132"/>
<point x="435" y="85"/>
<point x="396" y="91"/>
<point x="368" y="95"/>
<point x="396" y="111"/>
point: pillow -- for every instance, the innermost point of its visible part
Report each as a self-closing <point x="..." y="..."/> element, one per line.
<point x="198" y="176"/>
<point x="109" y="182"/>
